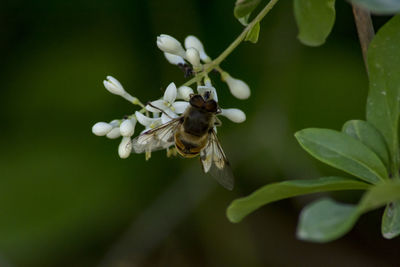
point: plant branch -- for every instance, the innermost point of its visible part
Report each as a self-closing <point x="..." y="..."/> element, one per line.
<point x="365" y="30"/>
<point x="210" y="66"/>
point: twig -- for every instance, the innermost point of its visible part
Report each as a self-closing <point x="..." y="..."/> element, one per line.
<point x="365" y="30"/>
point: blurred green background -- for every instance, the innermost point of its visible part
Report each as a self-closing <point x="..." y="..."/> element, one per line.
<point x="67" y="199"/>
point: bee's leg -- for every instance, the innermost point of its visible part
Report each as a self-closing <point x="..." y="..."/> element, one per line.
<point x="162" y="111"/>
<point x="217" y="122"/>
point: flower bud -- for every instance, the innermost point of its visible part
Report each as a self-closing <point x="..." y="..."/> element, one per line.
<point x="125" y="147"/>
<point x="127" y="127"/>
<point x="114" y="123"/>
<point x="170" y="45"/>
<point x="174" y="59"/>
<point x="113" y="86"/>
<point x="234" y="114"/>
<point x="101" y="128"/>
<point x="192" y="55"/>
<point x="114" y="133"/>
<point x="238" y="88"/>
<point x="193" y="41"/>
<point x="184" y="92"/>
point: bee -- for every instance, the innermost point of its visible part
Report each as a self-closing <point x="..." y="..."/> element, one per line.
<point x="192" y="134"/>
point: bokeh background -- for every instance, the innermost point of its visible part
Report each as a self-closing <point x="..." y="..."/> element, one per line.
<point x="67" y="199"/>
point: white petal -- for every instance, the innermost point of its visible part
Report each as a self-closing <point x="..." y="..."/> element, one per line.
<point x="101" y="128"/>
<point x="125" y="148"/>
<point x="169" y="44"/>
<point x="156" y="106"/>
<point x="238" y="88"/>
<point x="144" y="120"/>
<point x="184" y="92"/>
<point x="166" y="118"/>
<point x="193" y="41"/>
<point x="174" y="59"/>
<point x="193" y="56"/>
<point x="113" y="86"/>
<point x="180" y="106"/>
<point x="114" y="133"/>
<point x="234" y="114"/>
<point x="127" y="127"/>
<point x="114" y="123"/>
<point x="170" y="93"/>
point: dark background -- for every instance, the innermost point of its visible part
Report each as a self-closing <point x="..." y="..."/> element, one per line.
<point x="67" y="199"/>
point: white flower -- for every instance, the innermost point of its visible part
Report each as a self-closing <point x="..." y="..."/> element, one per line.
<point x="101" y="128"/>
<point x="202" y="89"/>
<point x="114" y="86"/>
<point x="192" y="55"/>
<point x="238" y="88"/>
<point x="168" y="105"/>
<point x="114" y="133"/>
<point x="148" y="123"/>
<point x="127" y="127"/>
<point x="184" y="92"/>
<point x="170" y="45"/>
<point x="174" y="59"/>
<point x="125" y="147"/>
<point x="192" y="41"/>
<point x="234" y="114"/>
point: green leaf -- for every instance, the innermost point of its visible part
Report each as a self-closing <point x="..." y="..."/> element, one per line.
<point x="315" y="19"/>
<point x="369" y="136"/>
<point x="384" y="91"/>
<point x="325" y="220"/>
<point x="252" y="35"/>
<point x="244" y="7"/>
<point x="241" y="207"/>
<point x="379" y="6"/>
<point x="343" y="152"/>
<point x="391" y="220"/>
<point x="244" y="20"/>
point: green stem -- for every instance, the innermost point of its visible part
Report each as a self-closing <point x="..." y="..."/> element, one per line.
<point x="215" y="63"/>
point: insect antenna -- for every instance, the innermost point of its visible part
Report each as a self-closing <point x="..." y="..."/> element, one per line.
<point x="162" y="111"/>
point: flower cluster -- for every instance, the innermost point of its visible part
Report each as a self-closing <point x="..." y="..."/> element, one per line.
<point x="174" y="102"/>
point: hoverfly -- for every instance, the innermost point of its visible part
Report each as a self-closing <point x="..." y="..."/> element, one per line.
<point x="192" y="134"/>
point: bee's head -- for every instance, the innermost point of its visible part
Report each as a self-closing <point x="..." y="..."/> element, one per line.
<point x="207" y="104"/>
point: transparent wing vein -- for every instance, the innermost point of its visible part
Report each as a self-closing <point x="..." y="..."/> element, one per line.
<point x="215" y="162"/>
<point x="158" y="138"/>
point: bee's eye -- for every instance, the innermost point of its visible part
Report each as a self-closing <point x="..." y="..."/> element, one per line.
<point x="196" y="101"/>
<point x="211" y="106"/>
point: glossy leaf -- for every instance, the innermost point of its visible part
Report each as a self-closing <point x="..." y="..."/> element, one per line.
<point x="252" y="35"/>
<point x="379" y="6"/>
<point x="244" y="7"/>
<point x="326" y="220"/>
<point x="315" y="19"/>
<point x="384" y="92"/>
<point x="343" y="152"/>
<point x="241" y="207"/>
<point x="391" y="220"/>
<point x="369" y="136"/>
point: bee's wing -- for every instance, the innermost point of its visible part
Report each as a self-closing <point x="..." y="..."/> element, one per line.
<point x="215" y="162"/>
<point x="158" y="138"/>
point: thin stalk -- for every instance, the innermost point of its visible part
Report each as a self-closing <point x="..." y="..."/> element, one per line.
<point x="365" y="30"/>
<point x="215" y="63"/>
